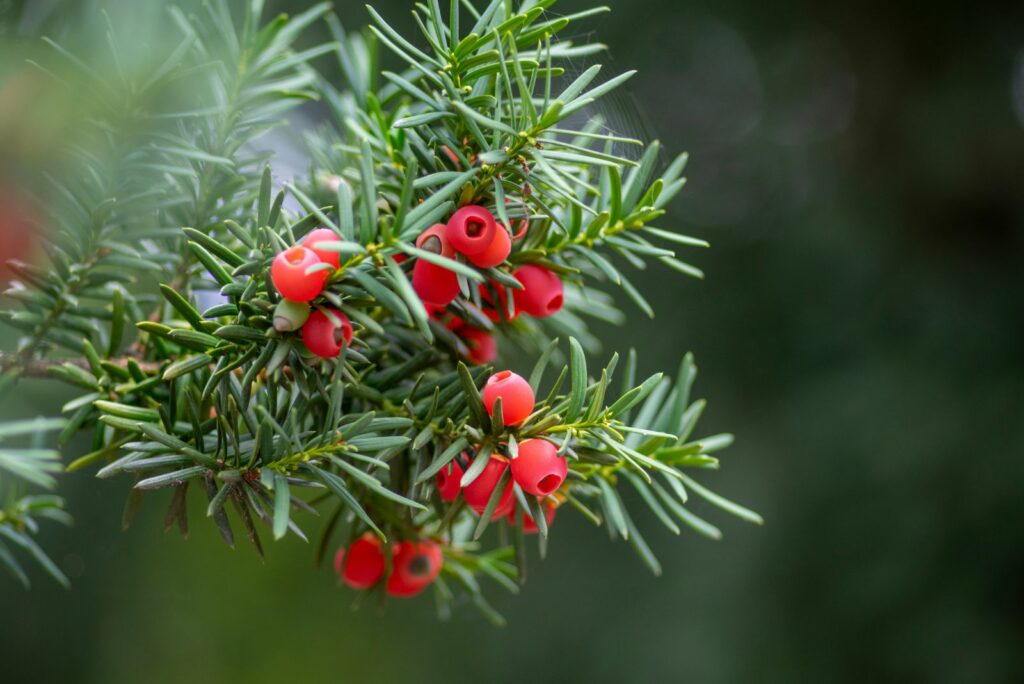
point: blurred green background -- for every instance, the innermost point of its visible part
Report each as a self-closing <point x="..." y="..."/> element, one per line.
<point x="859" y="171"/>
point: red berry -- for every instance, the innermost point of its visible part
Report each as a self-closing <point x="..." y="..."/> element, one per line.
<point x="496" y="252"/>
<point x="501" y="306"/>
<point x="435" y="285"/>
<point x="482" y="346"/>
<point x="505" y="505"/>
<point x="516" y="396"/>
<point x="471" y="230"/>
<point x="323" y="235"/>
<point x="450" y="483"/>
<point x="542" y="293"/>
<point x="529" y="524"/>
<point x="478" y="492"/>
<point x="325" y="331"/>
<point x="435" y="312"/>
<point x="415" y="566"/>
<point x="538" y="469"/>
<point x="524" y="225"/>
<point x="363" y="565"/>
<point x="290" y="278"/>
<point x="435" y="239"/>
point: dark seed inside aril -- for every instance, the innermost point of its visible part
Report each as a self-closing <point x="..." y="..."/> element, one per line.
<point x="420" y="565"/>
<point x="432" y="244"/>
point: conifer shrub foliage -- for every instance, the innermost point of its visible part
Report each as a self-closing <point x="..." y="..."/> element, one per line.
<point x="195" y="378"/>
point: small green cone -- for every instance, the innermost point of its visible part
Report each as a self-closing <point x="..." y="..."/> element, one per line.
<point x="289" y="316"/>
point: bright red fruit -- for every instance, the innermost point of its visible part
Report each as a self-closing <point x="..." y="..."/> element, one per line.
<point x="471" y="230"/>
<point x="324" y="334"/>
<point x="500" y="310"/>
<point x="435" y="312"/>
<point x="435" y="239"/>
<point x="435" y="285"/>
<point x="529" y="524"/>
<point x="288" y="271"/>
<point x="323" y="235"/>
<point x="453" y="323"/>
<point x="449" y="483"/>
<point x="496" y="252"/>
<point x="363" y="565"/>
<point x="482" y="346"/>
<point x="517" y="399"/>
<point x="538" y="469"/>
<point x="524" y="226"/>
<point x="478" y="492"/>
<point x="542" y="293"/>
<point x="415" y="566"/>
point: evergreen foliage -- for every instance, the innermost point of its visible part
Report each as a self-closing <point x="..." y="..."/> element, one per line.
<point x="166" y="205"/>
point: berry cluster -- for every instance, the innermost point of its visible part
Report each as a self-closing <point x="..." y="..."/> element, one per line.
<point x="299" y="281"/>
<point x="414" y="565"/>
<point x="535" y="465"/>
<point x="408" y="567"/>
<point x="536" y="468"/>
<point x="474" y="233"/>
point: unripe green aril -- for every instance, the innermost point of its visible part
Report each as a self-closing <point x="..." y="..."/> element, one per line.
<point x="289" y="315"/>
